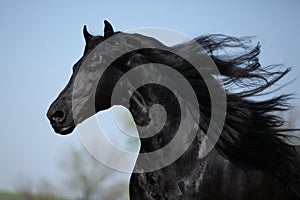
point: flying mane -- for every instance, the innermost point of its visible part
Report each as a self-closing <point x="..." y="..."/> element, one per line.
<point x="252" y="135"/>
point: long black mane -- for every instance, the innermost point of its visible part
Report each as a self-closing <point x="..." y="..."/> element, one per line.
<point x="252" y="135"/>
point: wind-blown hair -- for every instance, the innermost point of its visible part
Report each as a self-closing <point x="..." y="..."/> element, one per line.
<point x="253" y="135"/>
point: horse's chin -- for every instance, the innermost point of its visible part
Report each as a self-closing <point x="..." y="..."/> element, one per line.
<point x="64" y="130"/>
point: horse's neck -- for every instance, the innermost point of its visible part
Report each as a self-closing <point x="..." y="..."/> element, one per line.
<point x="188" y="161"/>
<point x="160" y="119"/>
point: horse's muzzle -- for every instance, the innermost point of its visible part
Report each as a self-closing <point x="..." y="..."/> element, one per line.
<point x="60" y="119"/>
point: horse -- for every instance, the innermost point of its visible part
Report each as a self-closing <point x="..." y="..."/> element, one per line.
<point x="250" y="158"/>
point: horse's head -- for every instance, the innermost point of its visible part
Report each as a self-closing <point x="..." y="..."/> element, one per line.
<point x="91" y="87"/>
<point x="60" y="113"/>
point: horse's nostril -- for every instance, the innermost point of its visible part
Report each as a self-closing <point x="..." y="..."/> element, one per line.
<point x="58" y="116"/>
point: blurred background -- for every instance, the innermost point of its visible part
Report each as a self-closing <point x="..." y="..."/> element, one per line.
<point x="40" y="42"/>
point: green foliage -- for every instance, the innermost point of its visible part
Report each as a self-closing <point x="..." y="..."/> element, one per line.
<point x="6" y="195"/>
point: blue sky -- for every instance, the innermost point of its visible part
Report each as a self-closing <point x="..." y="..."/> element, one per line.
<point x="40" y="41"/>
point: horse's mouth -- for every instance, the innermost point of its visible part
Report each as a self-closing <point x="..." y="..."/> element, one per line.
<point x="64" y="130"/>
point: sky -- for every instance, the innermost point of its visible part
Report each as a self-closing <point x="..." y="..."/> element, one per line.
<point x="41" y="40"/>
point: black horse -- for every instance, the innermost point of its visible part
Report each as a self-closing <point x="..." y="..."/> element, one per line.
<point x="251" y="159"/>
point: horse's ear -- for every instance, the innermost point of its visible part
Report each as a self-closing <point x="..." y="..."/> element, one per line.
<point x="108" y="29"/>
<point x="86" y="34"/>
